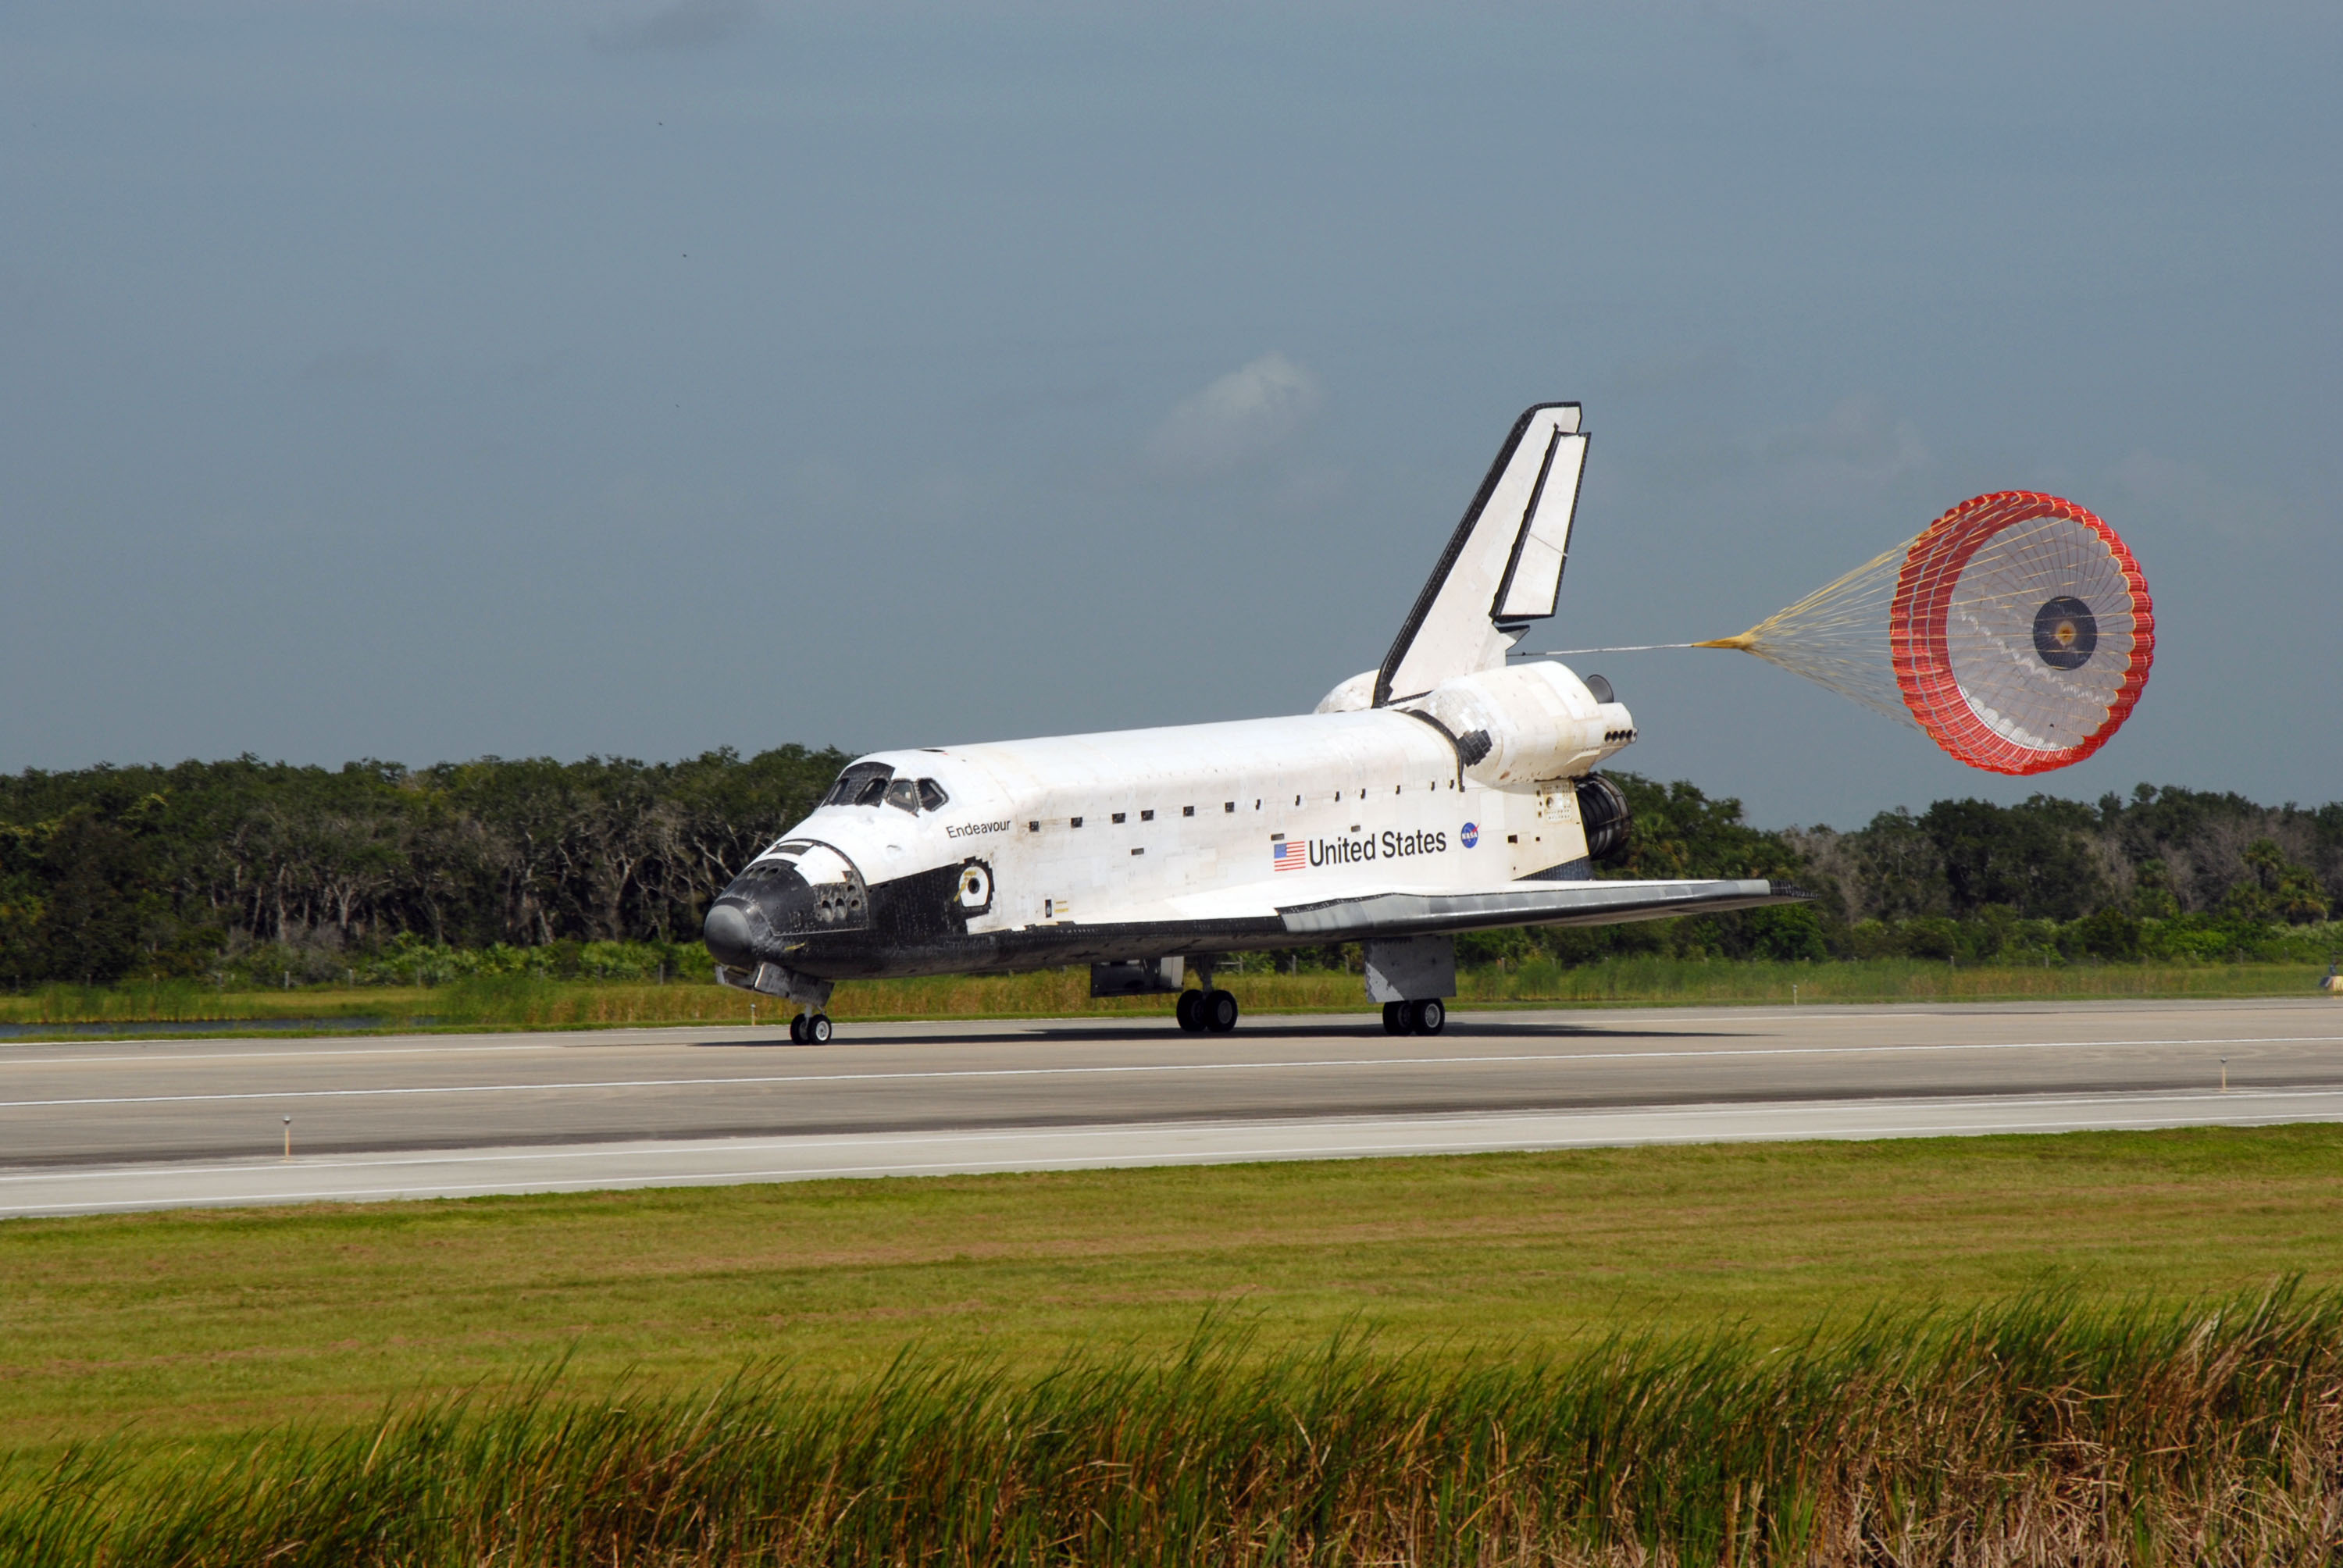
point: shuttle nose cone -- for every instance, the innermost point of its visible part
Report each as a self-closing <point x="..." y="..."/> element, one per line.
<point x="727" y="936"/>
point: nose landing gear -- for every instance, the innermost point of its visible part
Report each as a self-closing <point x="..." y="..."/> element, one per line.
<point x="810" y="1029"/>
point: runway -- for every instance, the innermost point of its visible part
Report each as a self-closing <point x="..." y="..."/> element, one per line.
<point x="109" y="1125"/>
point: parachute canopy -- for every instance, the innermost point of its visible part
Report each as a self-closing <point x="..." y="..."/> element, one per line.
<point x="2015" y="630"/>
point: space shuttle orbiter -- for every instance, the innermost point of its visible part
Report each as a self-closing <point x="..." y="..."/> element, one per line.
<point x="1444" y="791"/>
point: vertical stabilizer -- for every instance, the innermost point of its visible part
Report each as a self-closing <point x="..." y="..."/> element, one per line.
<point x="1503" y="567"/>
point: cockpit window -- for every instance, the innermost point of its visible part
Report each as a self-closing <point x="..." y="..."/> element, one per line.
<point x="862" y="784"/>
<point x="870" y="783"/>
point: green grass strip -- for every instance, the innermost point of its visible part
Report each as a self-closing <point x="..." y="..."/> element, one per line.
<point x="195" y="1325"/>
<point x="527" y="1001"/>
<point x="2040" y="1430"/>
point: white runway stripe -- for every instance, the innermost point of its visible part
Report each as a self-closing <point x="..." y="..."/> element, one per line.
<point x="724" y="1161"/>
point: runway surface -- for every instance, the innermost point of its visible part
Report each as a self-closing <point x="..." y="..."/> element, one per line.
<point x="110" y="1125"/>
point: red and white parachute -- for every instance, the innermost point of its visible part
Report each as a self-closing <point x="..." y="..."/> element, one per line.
<point x="2015" y="630"/>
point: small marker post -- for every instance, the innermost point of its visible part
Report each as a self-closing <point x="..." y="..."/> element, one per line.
<point x="289" y="1138"/>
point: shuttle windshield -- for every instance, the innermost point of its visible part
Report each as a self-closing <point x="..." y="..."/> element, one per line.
<point x="874" y="784"/>
<point x="862" y="784"/>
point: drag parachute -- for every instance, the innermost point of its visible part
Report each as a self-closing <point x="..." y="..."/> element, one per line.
<point x="2015" y="630"/>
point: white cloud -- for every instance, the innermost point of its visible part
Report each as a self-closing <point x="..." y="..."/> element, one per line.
<point x="1857" y="433"/>
<point x="2183" y="493"/>
<point x="686" y="25"/>
<point x="350" y="365"/>
<point x="1851" y="455"/>
<point x="1672" y="370"/>
<point x="1240" y="419"/>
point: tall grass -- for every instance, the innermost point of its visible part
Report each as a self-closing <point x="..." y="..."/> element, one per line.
<point x="183" y="1002"/>
<point x="2039" y="1431"/>
<point x="1638" y="981"/>
<point x="523" y="1001"/>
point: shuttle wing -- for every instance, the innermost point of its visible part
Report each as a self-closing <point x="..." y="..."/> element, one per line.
<point x="1410" y="913"/>
<point x="1362" y="912"/>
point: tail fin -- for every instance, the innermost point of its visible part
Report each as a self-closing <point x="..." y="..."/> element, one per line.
<point x="1503" y="567"/>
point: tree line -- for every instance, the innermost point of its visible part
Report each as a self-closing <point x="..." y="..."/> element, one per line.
<point x="113" y="871"/>
<point x="208" y="867"/>
<point x="2163" y="872"/>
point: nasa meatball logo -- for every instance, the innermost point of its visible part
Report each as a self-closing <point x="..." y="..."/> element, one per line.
<point x="1471" y="835"/>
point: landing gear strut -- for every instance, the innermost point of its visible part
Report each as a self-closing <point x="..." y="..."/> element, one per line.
<point x="1429" y="1016"/>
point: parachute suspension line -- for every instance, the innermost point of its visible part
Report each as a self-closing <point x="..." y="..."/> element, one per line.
<point x="1837" y="635"/>
<point x="1568" y="652"/>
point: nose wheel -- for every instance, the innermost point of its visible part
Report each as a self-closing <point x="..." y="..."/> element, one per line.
<point x="810" y="1029"/>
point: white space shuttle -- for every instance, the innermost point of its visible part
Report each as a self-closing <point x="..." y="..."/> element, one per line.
<point x="1444" y="791"/>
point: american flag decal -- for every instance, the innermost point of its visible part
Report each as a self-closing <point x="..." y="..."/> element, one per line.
<point x="1286" y="855"/>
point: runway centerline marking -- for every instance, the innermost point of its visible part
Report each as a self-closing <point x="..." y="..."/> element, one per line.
<point x="1134" y="1069"/>
<point x="1457" y="1121"/>
<point x="162" y="1061"/>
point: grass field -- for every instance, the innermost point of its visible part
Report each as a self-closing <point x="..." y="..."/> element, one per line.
<point x="521" y="1001"/>
<point x="2093" y="1348"/>
<point x="214" y="1322"/>
<point x="2036" y="1431"/>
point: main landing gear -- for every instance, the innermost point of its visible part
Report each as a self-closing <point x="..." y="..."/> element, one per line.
<point x="810" y="1029"/>
<point x="1199" y="1010"/>
<point x="1429" y="1016"/>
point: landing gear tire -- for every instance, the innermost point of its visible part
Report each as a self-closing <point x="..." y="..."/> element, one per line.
<point x="1219" y="1012"/>
<point x="817" y="1029"/>
<point x="1429" y="1016"/>
<point x="797" y="1030"/>
<point x="1394" y="1018"/>
<point x="1191" y="1016"/>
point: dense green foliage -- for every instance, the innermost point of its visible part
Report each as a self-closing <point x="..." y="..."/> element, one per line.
<point x="254" y="871"/>
<point x="2170" y="874"/>
<point x="2034" y="1432"/>
<point x="110" y="872"/>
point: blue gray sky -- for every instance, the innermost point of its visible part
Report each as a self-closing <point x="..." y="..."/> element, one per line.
<point x="424" y="380"/>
